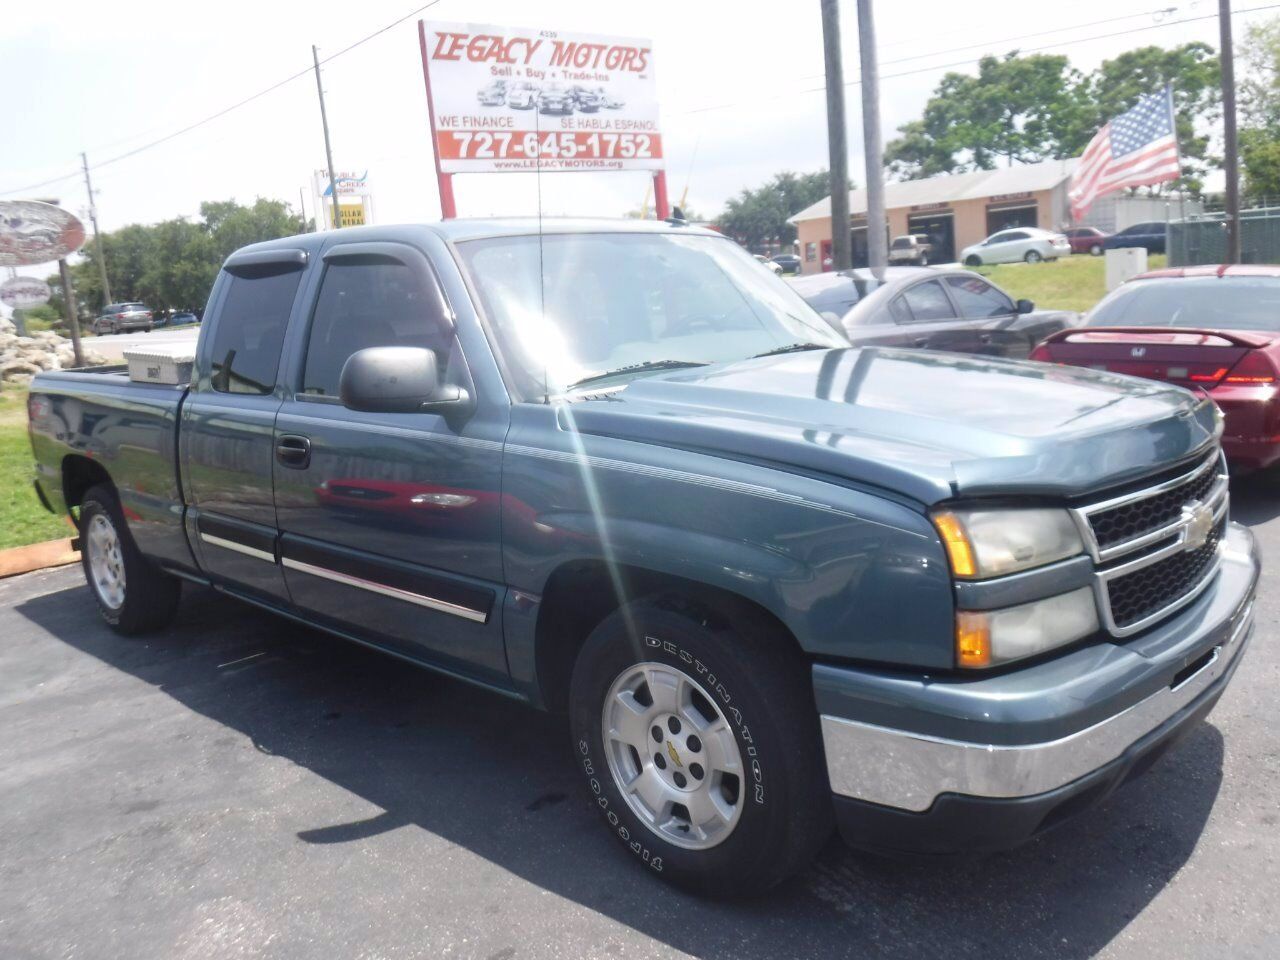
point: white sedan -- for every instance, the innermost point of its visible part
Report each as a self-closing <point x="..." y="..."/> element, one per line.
<point x="1022" y="243"/>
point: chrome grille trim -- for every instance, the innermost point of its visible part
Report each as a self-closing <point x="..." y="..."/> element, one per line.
<point x="1218" y="500"/>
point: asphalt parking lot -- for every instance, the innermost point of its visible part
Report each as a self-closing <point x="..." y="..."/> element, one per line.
<point x="242" y="787"/>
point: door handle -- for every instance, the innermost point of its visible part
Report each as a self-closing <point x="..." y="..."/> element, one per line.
<point x="984" y="338"/>
<point x="293" y="451"/>
<point x="922" y="342"/>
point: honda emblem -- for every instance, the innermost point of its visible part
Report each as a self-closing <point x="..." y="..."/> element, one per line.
<point x="1138" y="352"/>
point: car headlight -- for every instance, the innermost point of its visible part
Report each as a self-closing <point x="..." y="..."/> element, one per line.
<point x="987" y="638"/>
<point x="993" y="542"/>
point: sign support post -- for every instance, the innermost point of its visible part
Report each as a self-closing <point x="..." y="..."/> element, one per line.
<point x="69" y="309"/>
<point x="662" y="206"/>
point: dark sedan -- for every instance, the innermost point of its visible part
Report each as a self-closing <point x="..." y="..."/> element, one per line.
<point x="1147" y="235"/>
<point x="789" y="262"/>
<point x="955" y="310"/>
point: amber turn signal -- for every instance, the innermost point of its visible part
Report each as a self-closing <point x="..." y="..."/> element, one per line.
<point x="959" y="550"/>
<point x="973" y="639"/>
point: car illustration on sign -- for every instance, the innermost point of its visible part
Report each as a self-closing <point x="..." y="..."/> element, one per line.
<point x="555" y="98"/>
<point x="522" y="95"/>
<point x="493" y="94"/>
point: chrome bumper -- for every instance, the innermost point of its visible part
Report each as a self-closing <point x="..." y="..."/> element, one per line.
<point x="907" y="770"/>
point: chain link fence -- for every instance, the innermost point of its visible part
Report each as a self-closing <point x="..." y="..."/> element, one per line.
<point x="1204" y="239"/>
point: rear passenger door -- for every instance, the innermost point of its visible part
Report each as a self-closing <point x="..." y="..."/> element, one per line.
<point x="389" y="522"/>
<point x="930" y="319"/>
<point x="226" y="441"/>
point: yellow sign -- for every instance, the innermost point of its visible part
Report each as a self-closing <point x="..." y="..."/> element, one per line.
<point x="348" y="214"/>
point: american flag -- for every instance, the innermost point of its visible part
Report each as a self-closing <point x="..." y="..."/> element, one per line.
<point x="1136" y="148"/>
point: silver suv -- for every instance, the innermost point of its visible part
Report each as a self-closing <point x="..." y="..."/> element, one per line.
<point x="124" y="318"/>
<point x="912" y="248"/>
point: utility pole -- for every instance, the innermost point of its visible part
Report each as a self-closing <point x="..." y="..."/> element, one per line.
<point x="1230" y="150"/>
<point x="97" y="234"/>
<point x="328" y="150"/>
<point x="877" y="229"/>
<point x="837" y="144"/>
<point x="70" y="310"/>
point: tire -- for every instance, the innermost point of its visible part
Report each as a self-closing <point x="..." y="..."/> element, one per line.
<point x="133" y="595"/>
<point x="1032" y="257"/>
<point x="973" y="260"/>
<point x="115" y="331"/>
<point x="754" y="829"/>
<point x="924" y="261"/>
<point x="1095" y="250"/>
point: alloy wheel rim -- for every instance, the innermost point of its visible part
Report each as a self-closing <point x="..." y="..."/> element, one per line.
<point x="673" y="756"/>
<point x="106" y="561"/>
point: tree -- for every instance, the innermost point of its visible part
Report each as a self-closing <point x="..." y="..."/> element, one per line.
<point x="757" y="217"/>
<point x="1023" y="109"/>
<point x="1260" y="157"/>
<point x="172" y="264"/>
<point x="1016" y="110"/>
<point x="1259" y="87"/>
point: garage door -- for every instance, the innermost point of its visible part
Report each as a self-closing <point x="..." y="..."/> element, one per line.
<point x="940" y="228"/>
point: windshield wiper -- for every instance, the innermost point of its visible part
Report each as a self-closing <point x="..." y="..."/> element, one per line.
<point x="637" y="368"/>
<point x="792" y="348"/>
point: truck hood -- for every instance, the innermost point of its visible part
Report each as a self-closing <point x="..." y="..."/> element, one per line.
<point x="926" y="424"/>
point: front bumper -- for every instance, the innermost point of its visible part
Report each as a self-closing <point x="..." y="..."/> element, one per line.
<point x="982" y="764"/>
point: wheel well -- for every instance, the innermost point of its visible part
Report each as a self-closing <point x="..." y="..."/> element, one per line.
<point x="79" y="474"/>
<point x="579" y="595"/>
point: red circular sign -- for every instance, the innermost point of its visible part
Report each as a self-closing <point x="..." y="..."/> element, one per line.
<point x="34" y="232"/>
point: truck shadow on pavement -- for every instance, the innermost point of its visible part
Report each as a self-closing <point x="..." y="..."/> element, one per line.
<point x="496" y="778"/>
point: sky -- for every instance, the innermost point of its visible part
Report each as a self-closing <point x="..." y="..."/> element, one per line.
<point x="739" y="84"/>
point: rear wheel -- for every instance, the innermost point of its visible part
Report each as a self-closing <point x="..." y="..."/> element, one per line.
<point x="699" y="741"/>
<point x="133" y="594"/>
<point x="1032" y="257"/>
<point x="1095" y="250"/>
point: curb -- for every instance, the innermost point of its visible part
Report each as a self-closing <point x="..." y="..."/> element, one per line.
<point x="37" y="556"/>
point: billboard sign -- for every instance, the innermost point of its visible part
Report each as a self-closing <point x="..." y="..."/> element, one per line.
<point x="22" y="292"/>
<point x="350" y="183"/>
<point x="510" y="99"/>
<point x="35" y="232"/>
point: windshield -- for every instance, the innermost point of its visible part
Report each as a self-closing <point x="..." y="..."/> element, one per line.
<point x="1232" y="303"/>
<point x="575" y="306"/>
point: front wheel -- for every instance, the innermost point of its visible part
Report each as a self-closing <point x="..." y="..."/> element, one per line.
<point x="1032" y="257"/>
<point x="698" y="738"/>
<point x="924" y="260"/>
<point x="973" y="260"/>
<point x="134" y="596"/>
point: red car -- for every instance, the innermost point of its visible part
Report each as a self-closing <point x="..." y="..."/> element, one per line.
<point x="1086" y="240"/>
<point x="1213" y="329"/>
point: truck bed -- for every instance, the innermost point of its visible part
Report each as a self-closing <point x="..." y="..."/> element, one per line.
<point x="88" y="424"/>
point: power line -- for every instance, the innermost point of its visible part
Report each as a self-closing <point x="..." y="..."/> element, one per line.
<point x="971" y="60"/>
<point x="223" y="112"/>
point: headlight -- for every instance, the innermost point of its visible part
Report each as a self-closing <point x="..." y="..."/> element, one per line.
<point x="993" y="542"/>
<point x="985" y="638"/>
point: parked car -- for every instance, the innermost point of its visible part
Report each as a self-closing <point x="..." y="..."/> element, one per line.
<point x="124" y="318"/>
<point x="183" y="319"/>
<point x="1214" y="329"/>
<point x="611" y="101"/>
<point x="789" y="262"/>
<point x="586" y="99"/>
<point x="493" y="94"/>
<point x="555" y="98"/>
<point x="1086" y="240"/>
<point x="912" y="248"/>
<point x="1151" y="236"/>
<point x="522" y="95"/>
<point x="930" y="308"/>
<point x="774" y="583"/>
<point x="768" y="264"/>
<point x="1012" y="246"/>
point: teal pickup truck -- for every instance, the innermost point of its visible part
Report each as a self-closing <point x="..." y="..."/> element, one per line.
<point x="618" y="470"/>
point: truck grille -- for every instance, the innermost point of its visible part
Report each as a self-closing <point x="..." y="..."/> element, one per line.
<point x="1136" y="596"/>
<point x="1156" y="548"/>
<point x="1130" y="520"/>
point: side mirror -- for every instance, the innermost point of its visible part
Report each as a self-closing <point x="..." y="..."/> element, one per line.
<point x="397" y="380"/>
<point x="1025" y="306"/>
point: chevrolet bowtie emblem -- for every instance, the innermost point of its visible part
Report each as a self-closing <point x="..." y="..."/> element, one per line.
<point x="675" y="757"/>
<point x="1199" y="520"/>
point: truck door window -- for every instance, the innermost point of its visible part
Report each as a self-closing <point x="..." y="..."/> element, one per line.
<point x="250" y="330"/>
<point x="370" y="302"/>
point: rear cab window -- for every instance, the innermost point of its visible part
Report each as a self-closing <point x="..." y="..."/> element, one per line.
<point x="250" y="328"/>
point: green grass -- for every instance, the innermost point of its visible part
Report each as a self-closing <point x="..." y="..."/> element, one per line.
<point x="22" y="519"/>
<point x="1072" y="283"/>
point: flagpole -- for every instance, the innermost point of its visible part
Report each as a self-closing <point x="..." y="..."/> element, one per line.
<point x="1230" y="158"/>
